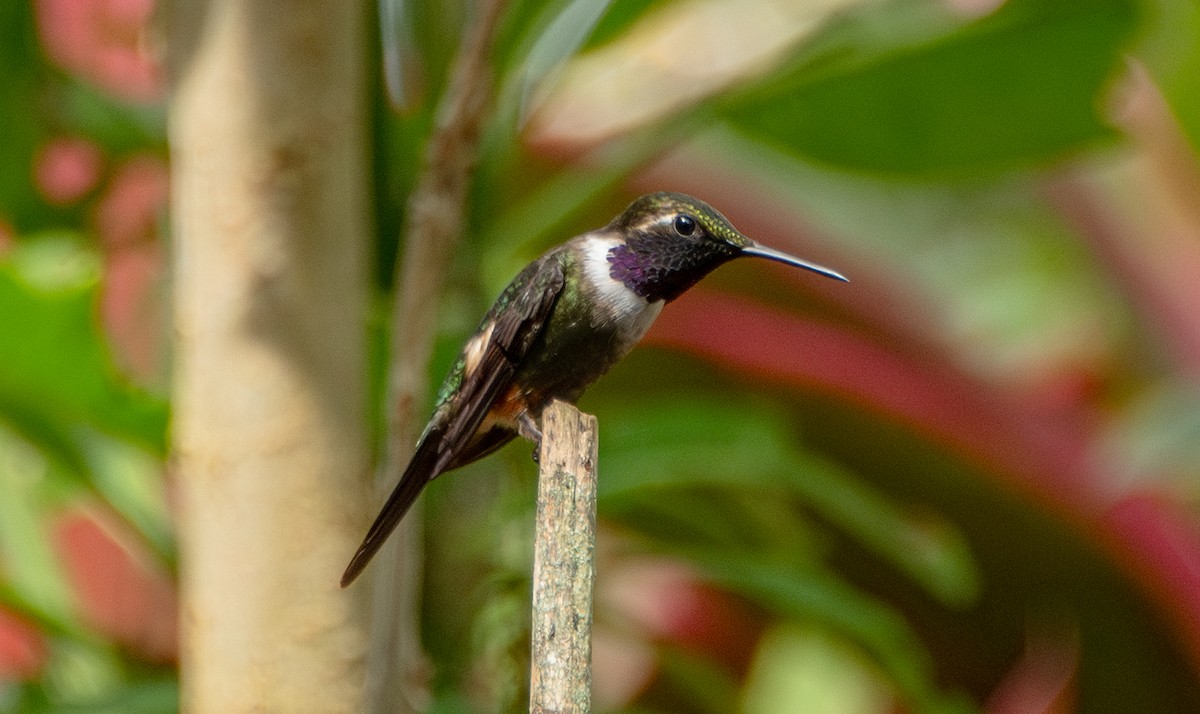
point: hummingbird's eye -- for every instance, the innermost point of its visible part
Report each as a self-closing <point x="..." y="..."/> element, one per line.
<point x="685" y="225"/>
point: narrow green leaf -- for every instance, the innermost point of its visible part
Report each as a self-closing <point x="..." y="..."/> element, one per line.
<point x="34" y="579"/>
<point x="396" y="44"/>
<point x="130" y="482"/>
<point x="882" y="633"/>
<point x="560" y="39"/>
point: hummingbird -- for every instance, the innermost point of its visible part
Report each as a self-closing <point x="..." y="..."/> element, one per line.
<point x="560" y="324"/>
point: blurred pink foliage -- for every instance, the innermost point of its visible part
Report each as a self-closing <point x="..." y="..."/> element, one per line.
<point x="657" y="601"/>
<point x="1043" y="681"/>
<point x="119" y="595"/>
<point x="129" y="602"/>
<point x="66" y="169"/>
<point x="126" y="217"/>
<point x="102" y="41"/>
<point x="128" y="211"/>
<point x="22" y="651"/>
<point x="667" y="602"/>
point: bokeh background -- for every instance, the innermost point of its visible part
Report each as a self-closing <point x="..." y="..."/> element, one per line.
<point x="967" y="481"/>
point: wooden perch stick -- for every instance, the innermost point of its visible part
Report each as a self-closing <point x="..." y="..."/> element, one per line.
<point x="563" y="563"/>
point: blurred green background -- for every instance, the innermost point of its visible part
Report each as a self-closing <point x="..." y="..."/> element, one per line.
<point x="967" y="481"/>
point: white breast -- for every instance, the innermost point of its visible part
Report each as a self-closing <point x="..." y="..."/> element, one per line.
<point x="630" y="312"/>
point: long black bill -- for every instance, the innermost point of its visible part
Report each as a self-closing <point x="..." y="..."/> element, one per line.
<point x="761" y="251"/>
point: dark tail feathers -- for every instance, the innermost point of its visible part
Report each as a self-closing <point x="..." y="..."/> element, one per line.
<point x="420" y="471"/>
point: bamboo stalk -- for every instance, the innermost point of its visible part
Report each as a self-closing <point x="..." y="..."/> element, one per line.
<point x="564" y="563"/>
<point x="397" y="670"/>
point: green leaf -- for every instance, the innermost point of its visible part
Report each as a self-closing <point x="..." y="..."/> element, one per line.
<point x="55" y="368"/>
<point x="908" y="87"/>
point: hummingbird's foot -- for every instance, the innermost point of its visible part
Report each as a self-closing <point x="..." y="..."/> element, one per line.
<point x="528" y="429"/>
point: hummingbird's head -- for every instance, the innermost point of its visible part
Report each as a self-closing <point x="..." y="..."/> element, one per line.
<point x="670" y="241"/>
